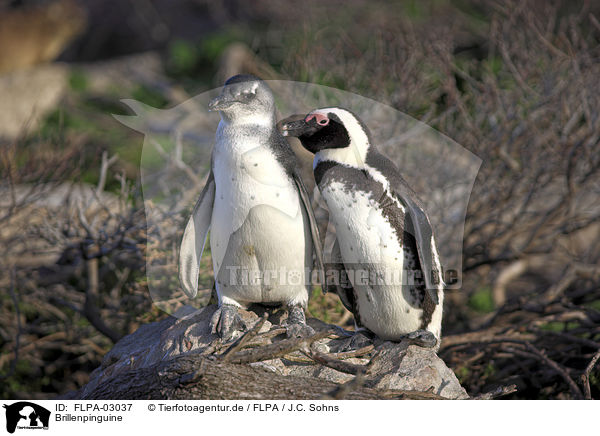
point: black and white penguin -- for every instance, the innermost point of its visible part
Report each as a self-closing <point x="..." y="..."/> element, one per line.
<point x="384" y="240"/>
<point x="262" y="227"/>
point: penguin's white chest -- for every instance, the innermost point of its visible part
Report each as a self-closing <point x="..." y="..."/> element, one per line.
<point x="374" y="259"/>
<point x="257" y="223"/>
<point x="247" y="174"/>
<point x="364" y="233"/>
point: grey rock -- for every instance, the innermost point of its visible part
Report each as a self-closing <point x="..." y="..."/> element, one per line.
<point x="398" y="365"/>
<point x="413" y="368"/>
<point x="28" y="96"/>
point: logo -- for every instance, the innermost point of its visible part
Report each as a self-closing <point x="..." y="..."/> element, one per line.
<point x="26" y="415"/>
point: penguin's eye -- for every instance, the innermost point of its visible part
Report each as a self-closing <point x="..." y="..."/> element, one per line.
<point x="321" y="119"/>
<point x="245" y="96"/>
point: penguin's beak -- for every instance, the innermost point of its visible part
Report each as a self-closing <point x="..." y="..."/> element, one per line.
<point x="219" y="103"/>
<point x="297" y="128"/>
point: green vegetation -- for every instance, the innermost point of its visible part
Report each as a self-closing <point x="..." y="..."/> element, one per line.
<point x="558" y="326"/>
<point x="481" y="300"/>
<point x="183" y="56"/>
<point x="78" y="81"/>
<point x="149" y="96"/>
<point x="326" y="307"/>
<point x="462" y="373"/>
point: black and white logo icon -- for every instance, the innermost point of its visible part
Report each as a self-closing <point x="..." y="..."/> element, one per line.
<point x="26" y="415"/>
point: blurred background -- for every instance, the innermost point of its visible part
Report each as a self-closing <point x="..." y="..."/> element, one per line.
<point x="514" y="82"/>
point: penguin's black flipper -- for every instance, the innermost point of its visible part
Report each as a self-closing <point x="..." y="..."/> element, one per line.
<point x="418" y="223"/>
<point x="194" y="238"/>
<point x="314" y="230"/>
<point x="421" y="230"/>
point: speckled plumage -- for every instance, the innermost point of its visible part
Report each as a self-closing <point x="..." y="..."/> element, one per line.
<point x="381" y="227"/>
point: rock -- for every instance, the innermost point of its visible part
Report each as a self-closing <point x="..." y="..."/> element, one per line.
<point x="28" y="96"/>
<point x="413" y="368"/>
<point x="34" y="34"/>
<point x="398" y="366"/>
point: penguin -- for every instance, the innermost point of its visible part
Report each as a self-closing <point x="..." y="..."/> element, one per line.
<point x="384" y="245"/>
<point x="262" y="228"/>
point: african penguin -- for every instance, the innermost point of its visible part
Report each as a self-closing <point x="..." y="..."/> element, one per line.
<point x="384" y="240"/>
<point x="262" y="227"/>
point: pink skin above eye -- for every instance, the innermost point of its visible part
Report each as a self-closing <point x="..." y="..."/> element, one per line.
<point x="322" y="120"/>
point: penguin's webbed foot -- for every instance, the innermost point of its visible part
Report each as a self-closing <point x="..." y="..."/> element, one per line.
<point x="226" y="321"/>
<point x="422" y="338"/>
<point x="296" y="323"/>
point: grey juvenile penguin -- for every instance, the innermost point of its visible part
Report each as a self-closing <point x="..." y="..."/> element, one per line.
<point x="262" y="227"/>
<point x="384" y="240"/>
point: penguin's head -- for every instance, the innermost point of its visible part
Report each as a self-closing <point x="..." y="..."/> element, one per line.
<point x="332" y="134"/>
<point x="245" y="98"/>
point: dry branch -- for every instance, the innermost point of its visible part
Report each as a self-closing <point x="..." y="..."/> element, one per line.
<point x="586" y="375"/>
<point x="196" y="377"/>
<point x="278" y="349"/>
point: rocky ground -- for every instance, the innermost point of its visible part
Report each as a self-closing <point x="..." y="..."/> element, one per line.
<point x="378" y="370"/>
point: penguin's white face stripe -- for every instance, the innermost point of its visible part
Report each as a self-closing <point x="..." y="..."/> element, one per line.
<point x="356" y="153"/>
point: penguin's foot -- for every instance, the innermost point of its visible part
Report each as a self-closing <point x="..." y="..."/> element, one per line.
<point x="296" y="323"/>
<point x="422" y="338"/>
<point x="359" y="339"/>
<point x="226" y="321"/>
